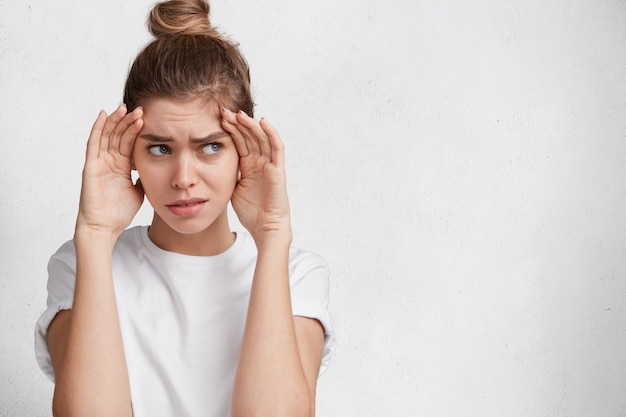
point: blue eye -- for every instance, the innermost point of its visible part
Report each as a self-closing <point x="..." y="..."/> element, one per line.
<point x="212" y="148"/>
<point x="158" y="150"/>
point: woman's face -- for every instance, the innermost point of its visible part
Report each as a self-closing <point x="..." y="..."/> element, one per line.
<point x="188" y="166"/>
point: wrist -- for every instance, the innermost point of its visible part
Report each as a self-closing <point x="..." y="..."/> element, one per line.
<point x="273" y="240"/>
<point x="88" y="235"/>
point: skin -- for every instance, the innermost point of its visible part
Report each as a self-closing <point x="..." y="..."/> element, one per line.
<point x="189" y="182"/>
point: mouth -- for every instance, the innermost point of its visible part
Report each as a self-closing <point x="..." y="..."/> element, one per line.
<point x="187" y="208"/>
<point x="187" y="203"/>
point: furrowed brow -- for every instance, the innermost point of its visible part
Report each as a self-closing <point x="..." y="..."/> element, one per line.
<point x="156" y="138"/>
<point x="211" y="137"/>
<point x="164" y="139"/>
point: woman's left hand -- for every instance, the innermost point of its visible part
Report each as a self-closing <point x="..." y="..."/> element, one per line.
<point x="260" y="197"/>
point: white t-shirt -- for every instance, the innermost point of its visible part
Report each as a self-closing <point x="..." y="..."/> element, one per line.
<point x="182" y="318"/>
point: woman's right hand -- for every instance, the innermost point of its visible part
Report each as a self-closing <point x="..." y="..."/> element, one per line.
<point x="109" y="200"/>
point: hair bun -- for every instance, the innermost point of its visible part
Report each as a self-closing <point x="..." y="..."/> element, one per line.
<point x="181" y="17"/>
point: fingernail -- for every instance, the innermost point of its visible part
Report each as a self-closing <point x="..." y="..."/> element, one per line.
<point x="225" y="110"/>
<point x="243" y="112"/>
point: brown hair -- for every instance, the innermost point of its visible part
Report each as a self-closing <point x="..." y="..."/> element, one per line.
<point x="188" y="58"/>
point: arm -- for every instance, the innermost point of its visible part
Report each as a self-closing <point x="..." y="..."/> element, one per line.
<point x="280" y="354"/>
<point x="85" y="342"/>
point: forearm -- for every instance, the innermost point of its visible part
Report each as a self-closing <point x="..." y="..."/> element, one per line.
<point x="270" y="379"/>
<point x="92" y="377"/>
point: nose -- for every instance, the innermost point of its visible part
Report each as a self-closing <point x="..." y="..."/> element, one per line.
<point x="185" y="174"/>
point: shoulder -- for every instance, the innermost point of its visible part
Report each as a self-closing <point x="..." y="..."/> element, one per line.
<point x="132" y="237"/>
<point x="303" y="260"/>
<point x="300" y="260"/>
<point x="132" y="245"/>
<point x="66" y="254"/>
<point x="309" y="275"/>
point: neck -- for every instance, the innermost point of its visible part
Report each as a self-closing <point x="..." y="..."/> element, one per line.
<point x="213" y="240"/>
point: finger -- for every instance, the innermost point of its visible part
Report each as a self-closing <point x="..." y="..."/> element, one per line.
<point x="120" y="129"/>
<point x="243" y="133"/>
<point x="278" y="148"/>
<point x="93" y="144"/>
<point x="256" y="139"/>
<point x="127" y="141"/>
<point x="228" y="120"/>
<point x="110" y="124"/>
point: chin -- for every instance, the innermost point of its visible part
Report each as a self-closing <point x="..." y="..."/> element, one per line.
<point x="190" y="225"/>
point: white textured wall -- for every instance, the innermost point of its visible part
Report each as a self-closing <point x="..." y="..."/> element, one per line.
<point x="460" y="164"/>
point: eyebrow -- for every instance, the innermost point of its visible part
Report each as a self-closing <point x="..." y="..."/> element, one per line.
<point x="164" y="139"/>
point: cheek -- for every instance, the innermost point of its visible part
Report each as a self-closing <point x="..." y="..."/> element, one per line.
<point x="150" y="176"/>
<point x="235" y="172"/>
<point x="229" y="167"/>
<point x="228" y="178"/>
<point x="148" y="182"/>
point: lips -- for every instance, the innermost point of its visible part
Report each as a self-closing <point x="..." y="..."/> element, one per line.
<point x="187" y="208"/>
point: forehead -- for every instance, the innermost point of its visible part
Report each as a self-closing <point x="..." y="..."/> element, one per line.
<point x="169" y="116"/>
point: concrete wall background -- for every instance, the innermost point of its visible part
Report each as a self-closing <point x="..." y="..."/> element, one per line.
<point x="460" y="165"/>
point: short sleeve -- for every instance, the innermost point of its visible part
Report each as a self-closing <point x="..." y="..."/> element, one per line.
<point x="309" y="279"/>
<point x="61" y="282"/>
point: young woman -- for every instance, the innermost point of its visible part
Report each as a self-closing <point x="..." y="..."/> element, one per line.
<point x="184" y="317"/>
